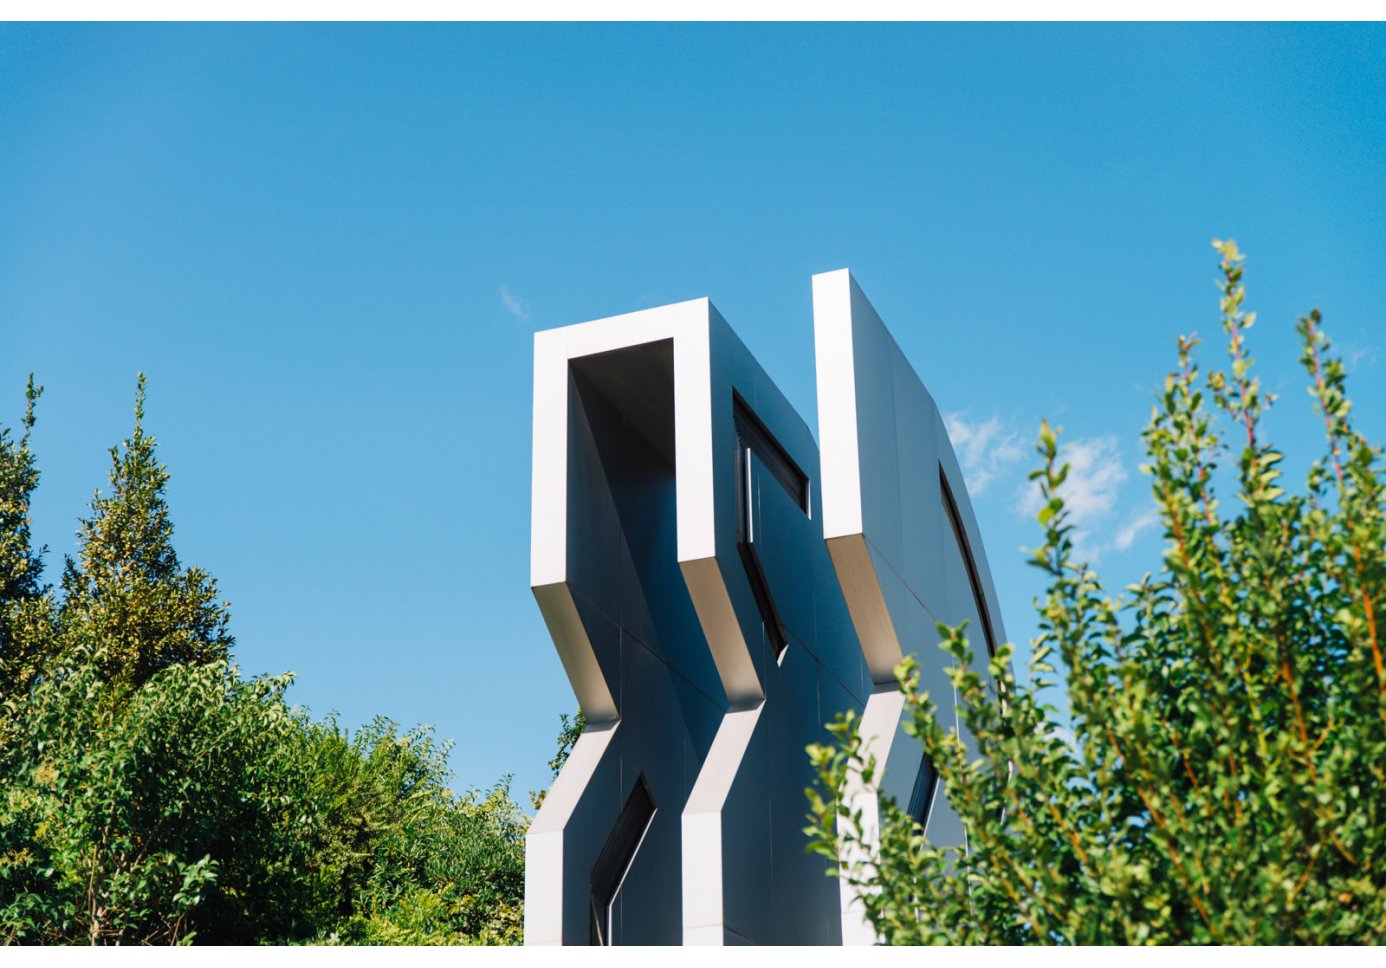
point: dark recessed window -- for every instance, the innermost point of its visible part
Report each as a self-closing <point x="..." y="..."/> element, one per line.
<point x="756" y="445"/>
<point x="753" y="437"/>
<point x="616" y="858"/>
<point x="922" y="797"/>
<point x="950" y="507"/>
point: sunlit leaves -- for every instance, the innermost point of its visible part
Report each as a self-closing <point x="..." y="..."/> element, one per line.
<point x="1224" y="782"/>
<point x="149" y="794"/>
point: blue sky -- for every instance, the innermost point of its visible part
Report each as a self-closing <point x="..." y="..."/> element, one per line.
<point x="328" y="248"/>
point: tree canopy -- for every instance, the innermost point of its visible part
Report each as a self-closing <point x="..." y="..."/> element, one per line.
<point x="126" y="595"/>
<point x="151" y="794"/>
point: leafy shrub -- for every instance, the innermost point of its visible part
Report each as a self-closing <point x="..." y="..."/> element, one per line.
<point x="1227" y="777"/>
<point x="149" y="794"/>
<point x="408" y="861"/>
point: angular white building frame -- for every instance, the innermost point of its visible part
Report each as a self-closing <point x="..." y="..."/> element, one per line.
<point x="718" y="586"/>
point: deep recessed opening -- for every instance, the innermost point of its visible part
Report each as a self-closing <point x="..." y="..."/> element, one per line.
<point x="615" y="860"/>
<point x="922" y="796"/>
<point x="757" y="447"/>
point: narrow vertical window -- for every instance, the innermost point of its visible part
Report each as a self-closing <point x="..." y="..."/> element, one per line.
<point x="922" y="797"/>
<point x="755" y="444"/>
<point x="950" y="507"/>
<point x="616" y="858"/>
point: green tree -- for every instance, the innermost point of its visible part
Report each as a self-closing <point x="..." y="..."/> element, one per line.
<point x="569" y="729"/>
<point x="126" y="594"/>
<point x="26" y="607"/>
<point x="200" y="807"/>
<point x="172" y="811"/>
<point x="406" y="860"/>
<point x="149" y="794"/>
<point x="1226" y="778"/>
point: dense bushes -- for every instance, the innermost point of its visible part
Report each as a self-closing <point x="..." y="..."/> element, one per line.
<point x="152" y="795"/>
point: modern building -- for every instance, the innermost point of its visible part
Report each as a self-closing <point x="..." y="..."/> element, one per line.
<point x="719" y="586"/>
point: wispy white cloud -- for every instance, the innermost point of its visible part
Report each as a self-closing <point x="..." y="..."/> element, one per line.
<point x="1093" y="492"/>
<point x="513" y="304"/>
<point x="1090" y="492"/>
<point x="1142" y="521"/>
<point x="1361" y="356"/>
<point x="1095" y="474"/>
<point x="985" y="449"/>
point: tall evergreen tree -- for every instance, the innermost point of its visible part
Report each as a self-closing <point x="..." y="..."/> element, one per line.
<point x="128" y="600"/>
<point x="193" y="804"/>
<point x="26" y="607"/>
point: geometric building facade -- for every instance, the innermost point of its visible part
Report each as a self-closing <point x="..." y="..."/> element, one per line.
<point x="718" y="586"/>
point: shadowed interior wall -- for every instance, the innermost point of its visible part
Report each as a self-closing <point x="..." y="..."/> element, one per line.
<point x="624" y="576"/>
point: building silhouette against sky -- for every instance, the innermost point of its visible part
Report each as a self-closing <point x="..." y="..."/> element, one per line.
<point x="718" y="586"/>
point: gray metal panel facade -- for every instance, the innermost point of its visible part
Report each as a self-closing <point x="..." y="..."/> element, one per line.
<point x="715" y="599"/>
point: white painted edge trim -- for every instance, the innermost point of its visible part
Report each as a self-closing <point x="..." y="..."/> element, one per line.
<point x="703" y="887"/>
<point x="687" y="324"/>
<point x="839" y="463"/>
<point x="544" y="839"/>
<point x="879" y="721"/>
